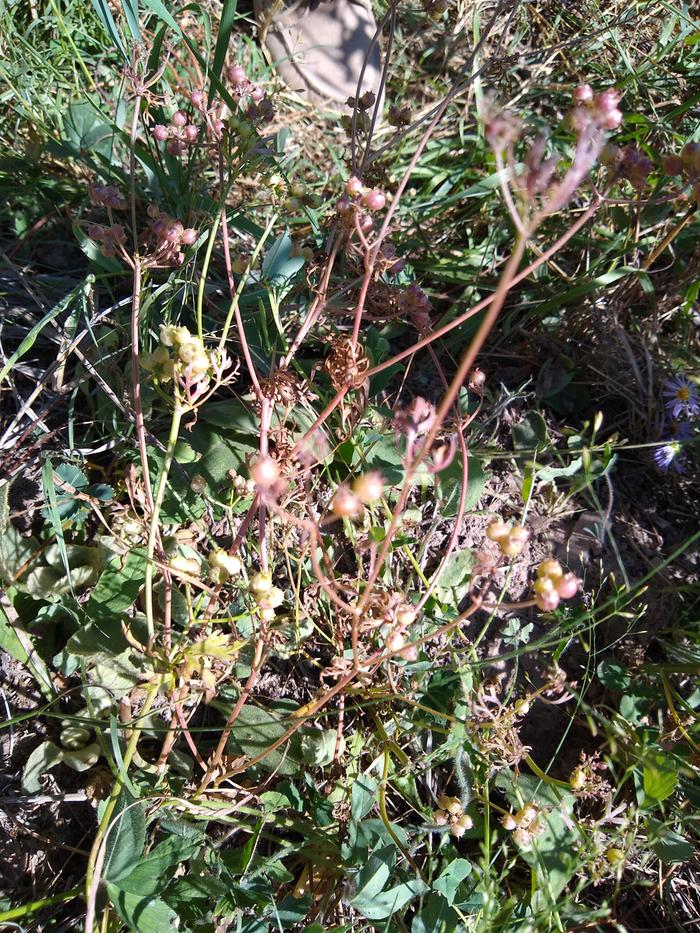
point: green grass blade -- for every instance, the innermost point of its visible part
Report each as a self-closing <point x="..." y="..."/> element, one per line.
<point x="105" y="16"/>
<point x="228" y="18"/>
<point x="131" y="14"/>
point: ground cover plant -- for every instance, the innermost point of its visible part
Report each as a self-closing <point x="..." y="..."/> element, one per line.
<point x="349" y="501"/>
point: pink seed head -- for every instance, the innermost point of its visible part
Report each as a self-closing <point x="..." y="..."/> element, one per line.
<point x="191" y="133"/>
<point x="583" y="94"/>
<point x="174" y="231"/>
<point x="567" y="586"/>
<point x="179" y="118"/>
<point x="264" y="472"/>
<point x="198" y="99"/>
<point x="160" y="132"/>
<point x="374" y="200"/>
<point x="612" y="119"/>
<point x="189" y="235"/>
<point x="353" y="186"/>
<point x="236" y="74"/>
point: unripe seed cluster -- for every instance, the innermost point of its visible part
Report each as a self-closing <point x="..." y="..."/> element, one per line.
<point x="553" y="584"/>
<point x="189" y="360"/>
<point x="451" y="814"/>
<point x="524" y="824"/>
<point x="266" y="596"/>
<point x="511" y="539"/>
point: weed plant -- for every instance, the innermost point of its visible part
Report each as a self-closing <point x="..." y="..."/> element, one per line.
<point x="325" y="441"/>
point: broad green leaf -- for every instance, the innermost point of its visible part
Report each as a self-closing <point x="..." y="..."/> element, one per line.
<point x="436" y="917"/>
<point x="451" y="877"/>
<point x="155" y="869"/>
<point x="660" y="777"/>
<point x="278" y="265"/>
<point x="613" y="675"/>
<point x="318" y="747"/>
<point x="125" y="838"/>
<point x="256" y="729"/>
<point x="118" y="586"/>
<point x="373" y="876"/>
<point x="530" y="433"/>
<point x="15" y="552"/>
<point x="41" y="760"/>
<point x="450" y="480"/>
<point x="16" y="641"/>
<point x="363" y="796"/>
<point x="386" y="903"/>
<point x="48" y="755"/>
<point x="454" y="579"/>
<point x="142" y="914"/>
<point x="668" y="845"/>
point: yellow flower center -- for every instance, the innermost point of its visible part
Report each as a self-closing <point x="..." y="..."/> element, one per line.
<point x="683" y="394"/>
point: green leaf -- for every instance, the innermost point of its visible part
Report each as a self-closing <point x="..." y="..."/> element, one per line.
<point x="668" y="845"/>
<point x="228" y="18"/>
<point x="118" y="586"/>
<point x="386" y="903"/>
<point x="16" y="641"/>
<point x="126" y="836"/>
<point x="278" y="265"/>
<point x="613" y="675"/>
<point x="530" y="433"/>
<point x="454" y="579"/>
<point x="451" y="877"/>
<point x="85" y="130"/>
<point x="660" y="777"/>
<point x="41" y="760"/>
<point x="318" y="747"/>
<point x="373" y="876"/>
<point x="155" y="870"/>
<point x="105" y="16"/>
<point x="131" y="15"/>
<point x="142" y="914"/>
<point x="436" y="917"/>
<point x="15" y="552"/>
<point x="451" y="482"/>
<point x="553" y="854"/>
<point x="256" y="729"/>
<point x="363" y="796"/>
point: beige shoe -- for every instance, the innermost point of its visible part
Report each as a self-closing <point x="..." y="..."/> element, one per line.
<point x="319" y="46"/>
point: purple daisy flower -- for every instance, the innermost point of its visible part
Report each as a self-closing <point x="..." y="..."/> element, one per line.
<point x="681" y="396"/>
<point x="671" y="453"/>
